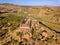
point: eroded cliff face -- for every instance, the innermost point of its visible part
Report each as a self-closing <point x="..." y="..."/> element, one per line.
<point x="31" y="32"/>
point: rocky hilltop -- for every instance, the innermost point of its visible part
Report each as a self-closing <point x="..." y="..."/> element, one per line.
<point x="31" y="32"/>
<point x="29" y="25"/>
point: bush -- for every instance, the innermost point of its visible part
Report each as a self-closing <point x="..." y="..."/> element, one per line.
<point x="3" y="32"/>
<point x="19" y="34"/>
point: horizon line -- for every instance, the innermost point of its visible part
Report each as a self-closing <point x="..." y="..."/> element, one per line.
<point x="31" y="5"/>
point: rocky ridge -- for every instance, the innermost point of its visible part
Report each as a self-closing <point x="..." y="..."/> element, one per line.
<point x="30" y="32"/>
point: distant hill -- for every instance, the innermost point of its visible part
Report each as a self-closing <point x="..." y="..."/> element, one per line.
<point x="46" y="13"/>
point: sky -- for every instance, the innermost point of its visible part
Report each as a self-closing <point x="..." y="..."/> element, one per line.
<point x="33" y="2"/>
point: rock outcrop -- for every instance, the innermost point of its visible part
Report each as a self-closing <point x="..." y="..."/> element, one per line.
<point x="30" y="32"/>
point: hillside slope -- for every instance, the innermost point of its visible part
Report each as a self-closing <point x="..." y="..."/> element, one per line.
<point x="29" y="25"/>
